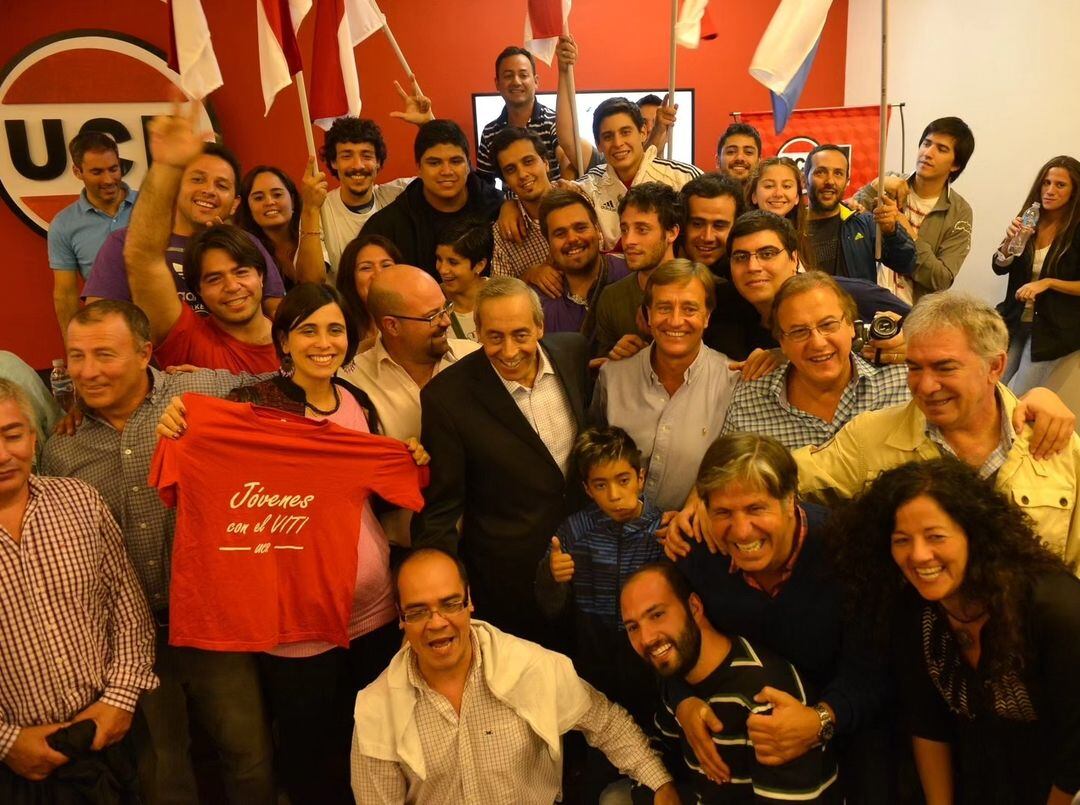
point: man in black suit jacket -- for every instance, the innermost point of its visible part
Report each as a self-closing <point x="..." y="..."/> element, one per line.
<point x="499" y="425"/>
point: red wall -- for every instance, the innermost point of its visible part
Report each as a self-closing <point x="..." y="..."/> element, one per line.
<point x="450" y="44"/>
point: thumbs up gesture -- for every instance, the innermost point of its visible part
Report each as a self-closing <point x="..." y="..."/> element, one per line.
<point x="562" y="563"/>
<point x="788" y="732"/>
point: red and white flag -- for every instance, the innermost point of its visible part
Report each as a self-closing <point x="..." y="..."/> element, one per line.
<point x="191" y="53"/>
<point x="340" y="25"/>
<point x="545" y="20"/>
<point x="694" y="24"/>
<point x="277" y="22"/>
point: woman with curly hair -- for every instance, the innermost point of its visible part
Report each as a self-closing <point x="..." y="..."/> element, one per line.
<point x="984" y="623"/>
<point x="1042" y="303"/>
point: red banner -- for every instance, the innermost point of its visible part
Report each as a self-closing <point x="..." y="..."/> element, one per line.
<point x="853" y="128"/>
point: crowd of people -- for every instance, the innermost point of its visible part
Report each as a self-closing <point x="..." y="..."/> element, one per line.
<point x="758" y="515"/>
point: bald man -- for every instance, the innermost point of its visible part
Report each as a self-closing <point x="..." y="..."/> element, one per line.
<point x="409" y="310"/>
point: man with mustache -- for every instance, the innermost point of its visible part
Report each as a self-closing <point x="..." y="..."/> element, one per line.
<point x="738" y="151"/>
<point x="841" y="241"/>
<point x="354" y="153"/>
<point x="667" y="626"/>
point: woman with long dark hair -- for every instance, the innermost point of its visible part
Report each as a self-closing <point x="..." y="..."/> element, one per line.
<point x="1042" y="302"/>
<point x="361" y="260"/>
<point x="290" y="227"/>
<point x="983" y="621"/>
<point x="776" y="185"/>
<point x="310" y="687"/>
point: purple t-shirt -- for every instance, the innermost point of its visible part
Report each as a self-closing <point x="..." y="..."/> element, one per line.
<point x="564" y="315"/>
<point x="108" y="277"/>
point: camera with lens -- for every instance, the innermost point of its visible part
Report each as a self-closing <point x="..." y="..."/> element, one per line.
<point x="881" y="328"/>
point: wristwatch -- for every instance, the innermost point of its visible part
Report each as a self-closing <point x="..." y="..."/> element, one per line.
<point x="828" y="724"/>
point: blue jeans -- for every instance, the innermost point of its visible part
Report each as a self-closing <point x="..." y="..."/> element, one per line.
<point x="1029" y="373"/>
<point x="1019" y="336"/>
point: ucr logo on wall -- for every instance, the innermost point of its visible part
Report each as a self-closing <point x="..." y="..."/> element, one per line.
<point x="70" y="83"/>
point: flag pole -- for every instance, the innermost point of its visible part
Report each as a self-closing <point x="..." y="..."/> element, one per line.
<point x="397" y="49"/>
<point x="571" y="88"/>
<point x="671" y="74"/>
<point x="883" y="123"/>
<point x="301" y="91"/>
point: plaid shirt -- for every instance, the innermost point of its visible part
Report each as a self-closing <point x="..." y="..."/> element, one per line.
<point x="74" y="627"/>
<point x="513" y="259"/>
<point x="761" y="406"/>
<point x="488" y="753"/>
<point x="117" y="464"/>
<point x="996" y="459"/>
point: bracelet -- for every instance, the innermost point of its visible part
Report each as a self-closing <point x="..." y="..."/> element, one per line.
<point x="317" y="233"/>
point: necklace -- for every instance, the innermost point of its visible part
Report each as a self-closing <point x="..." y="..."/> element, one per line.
<point x="958" y="619"/>
<point x="319" y="411"/>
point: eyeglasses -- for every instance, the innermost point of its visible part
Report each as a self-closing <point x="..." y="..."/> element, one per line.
<point x="764" y="255"/>
<point x="414" y="615"/>
<point x="445" y="310"/>
<point x="827" y="327"/>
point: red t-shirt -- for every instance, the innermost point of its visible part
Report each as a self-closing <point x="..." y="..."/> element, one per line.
<point x="269" y="506"/>
<point x="198" y="340"/>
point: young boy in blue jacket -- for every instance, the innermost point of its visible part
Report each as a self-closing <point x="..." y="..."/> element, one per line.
<point x="591" y="554"/>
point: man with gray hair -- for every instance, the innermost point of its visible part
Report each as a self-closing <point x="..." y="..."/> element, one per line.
<point x="956" y="353"/>
<point x="76" y="641"/>
<point x="121" y="399"/>
<point x="499" y="425"/>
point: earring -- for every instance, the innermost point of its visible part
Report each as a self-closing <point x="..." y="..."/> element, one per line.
<point x="287" y="367"/>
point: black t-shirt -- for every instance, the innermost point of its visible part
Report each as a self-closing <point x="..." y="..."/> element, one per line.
<point x="826" y="253"/>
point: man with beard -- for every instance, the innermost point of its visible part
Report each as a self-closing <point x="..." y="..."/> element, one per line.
<point x="448" y="191"/>
<point x="572" y="235"/>
<point x="649" y="223"/>
<point x="710" y="205"/>
<point x="841" y="242"/>
<point x="738" y="151"/>
<point x="354" y="153"/>
<point x="520" y="158"/>
<point x="666" y="624"/>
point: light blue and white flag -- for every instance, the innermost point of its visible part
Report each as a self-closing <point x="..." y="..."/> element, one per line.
<point x="786" y="52"/>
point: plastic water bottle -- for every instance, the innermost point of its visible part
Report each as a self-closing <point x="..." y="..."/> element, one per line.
<point x="62" y="389"/>
<point x="1028" y="222"/>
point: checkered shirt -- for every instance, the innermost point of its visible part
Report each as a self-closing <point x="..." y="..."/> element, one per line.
<point x="74" y="627"/>
<point x="513" y="259"/>
<point x="761" y="406"/>
<point x="487" y="753"/>
<point x="117" y="464"/>
<point x="996" y="459"/>
<point x="547" y="410"/>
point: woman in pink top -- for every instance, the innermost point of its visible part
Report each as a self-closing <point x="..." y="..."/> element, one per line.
<point x="310" y="687"/>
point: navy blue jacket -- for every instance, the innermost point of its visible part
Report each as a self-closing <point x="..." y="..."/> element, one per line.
<point x="858" y="233"/>
<point x="802" y="624"/>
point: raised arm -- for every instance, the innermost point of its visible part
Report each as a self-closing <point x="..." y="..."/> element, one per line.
<point x="173" y="144"/>
<point x="311" y="256"/>
<point x="564" y="120"/>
